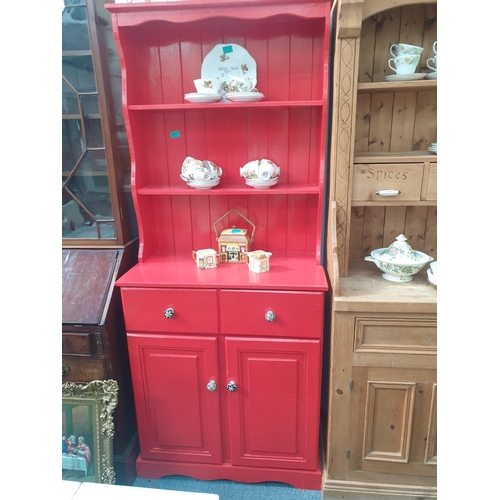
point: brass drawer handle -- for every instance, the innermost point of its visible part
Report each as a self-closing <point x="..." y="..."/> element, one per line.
<point x="65" y="370"/>
<point x="388" y="192"/>
<point x="169" y="313"/>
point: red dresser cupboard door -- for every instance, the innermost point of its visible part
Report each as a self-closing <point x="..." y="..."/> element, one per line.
<point x="178" y="416"/>
<point x="274" y="411"/>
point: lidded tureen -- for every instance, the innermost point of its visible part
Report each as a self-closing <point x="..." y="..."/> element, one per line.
<point x="399" y="261"/>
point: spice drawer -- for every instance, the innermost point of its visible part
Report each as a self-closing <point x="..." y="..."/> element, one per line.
<point x="387" y="182"/>
<point x="166" y="310"/>
<point x="282" y="314"/>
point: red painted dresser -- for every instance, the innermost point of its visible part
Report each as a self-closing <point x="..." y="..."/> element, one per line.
<point x="226" y="363"/>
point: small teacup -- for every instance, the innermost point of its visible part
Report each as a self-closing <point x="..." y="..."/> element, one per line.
<point x="404" y="65"/>
<point x="195" y="170"/>
<point x="215" y="171"/>
<point x="207" y="85"/>
<point x="403" y="49"/>
<point x="268" y="170"/>
<point x="435" y="47"/>
<point x="432" y="63"/>
<point x="262" y="170"/>
<point x="242" y="84"/>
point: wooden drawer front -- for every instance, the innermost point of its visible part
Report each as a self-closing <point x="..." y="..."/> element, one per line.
<point x="429" y="189"/>
<point x="296" y="314"/>
<point x="368" y="179"/>
<point x="83" y="369"/>
<point x="405" y="336"/>
<point x="194" y="311"/>
<point x="76" y="343"/>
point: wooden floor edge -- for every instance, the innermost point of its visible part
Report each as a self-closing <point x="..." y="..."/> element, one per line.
<point x="333" y="489"/>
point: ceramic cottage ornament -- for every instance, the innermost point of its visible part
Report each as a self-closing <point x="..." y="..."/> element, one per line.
<point x="258" y="261"/>
<point x="234" y="243"/>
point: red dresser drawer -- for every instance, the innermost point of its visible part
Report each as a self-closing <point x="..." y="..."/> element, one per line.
<point x="296" y="314"/>
<point x="194" y="311"/>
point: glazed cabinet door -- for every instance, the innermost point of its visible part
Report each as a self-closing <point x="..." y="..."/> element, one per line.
<point x="393" y="424"/>
<point x="176" y="389"/>
<point x="273" y="401"/>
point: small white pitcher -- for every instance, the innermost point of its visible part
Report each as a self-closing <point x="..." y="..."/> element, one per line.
<point x="206" y="258"/>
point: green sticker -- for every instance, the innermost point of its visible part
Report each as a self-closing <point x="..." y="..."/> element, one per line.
<point x="227" y="49"/>
<point x="175" y="134"/>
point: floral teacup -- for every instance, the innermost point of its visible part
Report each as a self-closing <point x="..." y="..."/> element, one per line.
<point x="262" y="170"/>
<point x="197" y="170"/>
<point x="403" y="49"/>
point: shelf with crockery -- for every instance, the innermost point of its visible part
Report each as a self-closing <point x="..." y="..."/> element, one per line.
<point x="225" y="105"/>
<point x="232" y="189"/>
<point x="364" y="88"/>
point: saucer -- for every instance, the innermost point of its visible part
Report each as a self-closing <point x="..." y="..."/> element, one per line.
<point x="244" y="96"/>
<point x="432" y="76"/>
<point x="405" y="78"/>
<point x="210" y="181"/>
<point x="203" y="184"/>
<point x="201" y="97"/>
<point x="261" y="184"/>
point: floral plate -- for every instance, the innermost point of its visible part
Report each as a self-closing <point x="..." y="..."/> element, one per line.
<point x="227" y="60"/>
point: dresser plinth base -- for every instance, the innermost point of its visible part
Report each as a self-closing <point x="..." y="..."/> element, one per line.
<point x="299" y="479"/>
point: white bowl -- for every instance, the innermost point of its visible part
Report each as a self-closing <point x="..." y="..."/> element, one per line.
<point x="434" y="268"/>
<point x="399" y="262"/>
<point x="398" y="272"/>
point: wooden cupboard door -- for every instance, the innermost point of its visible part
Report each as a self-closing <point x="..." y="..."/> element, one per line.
<point x="392" y="424"/>
<point x="178" y="412"/>
<point x="274" y="409"/>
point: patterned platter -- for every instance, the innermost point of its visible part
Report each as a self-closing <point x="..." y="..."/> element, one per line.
<point x="226" y="60"/>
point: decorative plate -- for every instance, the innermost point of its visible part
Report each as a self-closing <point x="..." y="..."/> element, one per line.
<point x="200" y="97"/>
<point x="226" y="60"/>
<point x="405" y="78"/>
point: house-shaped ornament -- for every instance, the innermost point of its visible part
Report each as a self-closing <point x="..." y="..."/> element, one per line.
<point x="234" y="243"/>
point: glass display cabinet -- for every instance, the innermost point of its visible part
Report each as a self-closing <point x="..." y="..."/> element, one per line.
<point x="96" y="201"/>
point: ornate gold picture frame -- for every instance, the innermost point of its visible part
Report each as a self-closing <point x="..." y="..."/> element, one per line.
<point x="88" y="430"/>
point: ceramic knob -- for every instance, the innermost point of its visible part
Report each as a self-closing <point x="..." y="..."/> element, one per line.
<point x="211" y="386"/>
<point x="270" y="316"/>
<point x="169" y="313"/>
<point x="65" y="370"/>
<point x="231" y="387"/>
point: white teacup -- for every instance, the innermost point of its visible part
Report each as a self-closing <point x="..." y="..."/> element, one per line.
<point x="207" y="85"/>
<point x="404" y="65"/>
<point x="403" y="49"/>
<point x="196" y="170"/>
<point x="242" y="84"/>
<point x="262" y="170"/>
<point x="432" y="63"/>
<point x="215" y="171"/>
<point x="435" y="47"/>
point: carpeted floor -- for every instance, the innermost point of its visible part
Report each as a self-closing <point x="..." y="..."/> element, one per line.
<point x="230" y="490"/>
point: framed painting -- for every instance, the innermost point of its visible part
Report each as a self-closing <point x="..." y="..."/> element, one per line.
<point x="88" y="430"/>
